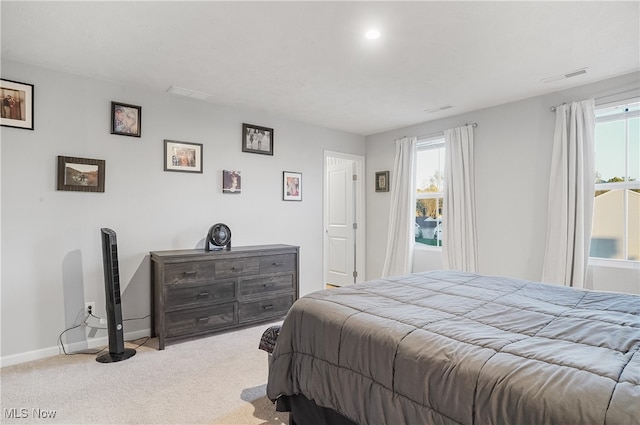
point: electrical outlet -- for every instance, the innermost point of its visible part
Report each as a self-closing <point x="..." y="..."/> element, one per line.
<point x="91" y="305"/>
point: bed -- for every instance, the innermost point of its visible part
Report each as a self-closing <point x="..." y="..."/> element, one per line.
<point x="459" y="348"/>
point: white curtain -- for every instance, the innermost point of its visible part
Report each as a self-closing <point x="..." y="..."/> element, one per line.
<point x="459" y="247"/>
<point x="400" y="239"/>
<point x="571" y="193"/>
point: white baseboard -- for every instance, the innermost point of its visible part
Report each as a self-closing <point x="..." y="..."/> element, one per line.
<point x="76" y="346"/>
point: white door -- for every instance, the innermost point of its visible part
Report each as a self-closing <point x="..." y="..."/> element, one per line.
<point x="340" y="220"/>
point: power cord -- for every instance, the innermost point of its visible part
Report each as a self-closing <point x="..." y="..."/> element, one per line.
<point x="146" y="338"/>
<point x="86" y="323"/>
<point x="124" y="320"/>
<point x="137" y="318"/>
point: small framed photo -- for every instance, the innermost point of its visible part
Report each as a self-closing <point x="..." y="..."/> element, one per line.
<point x="126" y="120"/>
<point x="17" y="104"/>
<point x="182" y="156"/>
<point x="382" y="181"/>
<point x="231" y="181"/>
<point x="256" y="139"/>
<point x="291" y="186"/>
<point x="80" y="174"/>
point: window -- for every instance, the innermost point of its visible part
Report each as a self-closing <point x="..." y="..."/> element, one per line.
<point x="616" y="214"/>
<point x="429" y="191"/>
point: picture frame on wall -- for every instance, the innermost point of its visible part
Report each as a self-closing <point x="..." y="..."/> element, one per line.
<point x="231" y="181"/>
<point x="80" y="174"/>
<point x="17" y="104"/>
<point x="182" y="156"/>
<point x="291" y="186"/>
<point x="126" y="120"/>
<point x="257" y="139"/>
<point x="382" y="181"/>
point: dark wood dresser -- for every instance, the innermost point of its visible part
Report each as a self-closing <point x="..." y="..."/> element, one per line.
<point x="197" y="293"/>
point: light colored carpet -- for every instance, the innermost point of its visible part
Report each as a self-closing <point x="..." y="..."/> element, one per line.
<point x="260" y="411"/>
<point x="218" y="380"/>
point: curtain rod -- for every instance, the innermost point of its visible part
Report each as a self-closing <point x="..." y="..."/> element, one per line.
<point x="426" y="136"/>
<point x="553" y="108"/>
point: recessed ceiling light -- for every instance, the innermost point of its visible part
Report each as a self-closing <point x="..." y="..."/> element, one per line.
<point x="372" y="34"/>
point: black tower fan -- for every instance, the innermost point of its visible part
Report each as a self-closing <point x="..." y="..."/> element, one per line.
<point x="117" y="352"/>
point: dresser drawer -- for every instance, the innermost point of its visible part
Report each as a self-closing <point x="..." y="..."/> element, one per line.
<point x="278" y="263"/>
<point x="194" y="321"/>
<point x="261" y="285"/>
<point x="192" y="272"/>
<point x="234" y="268"/>
<point x="261" y="309"/>
<point x="183" y="296"/>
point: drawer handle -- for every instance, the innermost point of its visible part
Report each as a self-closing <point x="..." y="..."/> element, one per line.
<point x="190" y="274"/>
<point x="203" y="295"/>
<point x="203" y="320"/>
<point x="267" y="307"/>
<point x="266" y="285"/>
<point x="237" y="270"/>
<point x="278" y="264"/>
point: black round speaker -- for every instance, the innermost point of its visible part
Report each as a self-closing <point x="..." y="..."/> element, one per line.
<point x="219" y="236"/>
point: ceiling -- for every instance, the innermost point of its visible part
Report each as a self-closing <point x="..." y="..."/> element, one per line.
<point x="310" y="61"/>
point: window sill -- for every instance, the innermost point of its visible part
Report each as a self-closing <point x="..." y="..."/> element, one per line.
<point x="617" y="264"/>
<point x="422" y="247"/>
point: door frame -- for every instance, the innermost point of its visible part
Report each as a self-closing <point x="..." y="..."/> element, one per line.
<point x="360" y="214"/>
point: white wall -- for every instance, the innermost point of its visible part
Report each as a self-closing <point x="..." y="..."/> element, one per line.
<point x="513" y="144"/>
<point x="51" y="252"/>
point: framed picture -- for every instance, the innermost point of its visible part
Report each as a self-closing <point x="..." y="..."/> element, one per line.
<point x="182" y="156"/>
<point x="382" y="181"/>
<point x="291" y="186"/>
<point x="256" y="139"/>
<point x="17" y="104"/>
<point x="231" y="182"/>
<point x="80" y="174"/>
<point x="126" y="120"/>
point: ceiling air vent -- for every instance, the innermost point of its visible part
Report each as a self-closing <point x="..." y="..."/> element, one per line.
<point x="438" y="109"/>
<point x="565" y="76"/>
<point x="189" y="93"/>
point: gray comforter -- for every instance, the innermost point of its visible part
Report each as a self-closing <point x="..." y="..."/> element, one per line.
<point x="459" y="348"/>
